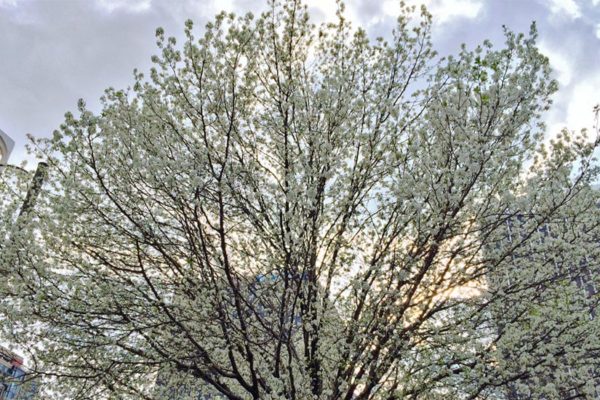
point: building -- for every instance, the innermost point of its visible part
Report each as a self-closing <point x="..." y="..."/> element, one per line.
<point x="13" y="382"/>
<point x="261" y="308"/>
<point x="6" y="147"/>
<point x="257" y="292"/>
<point x="546" y="267"/>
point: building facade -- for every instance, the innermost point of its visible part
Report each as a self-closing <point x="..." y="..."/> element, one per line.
<point x="564" y="271"/>
<point x="13" y="382"/>
<point x="6" y="147"/>
<point x="260" y="291"/>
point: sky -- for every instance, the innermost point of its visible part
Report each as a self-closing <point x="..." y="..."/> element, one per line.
<point x="53" y="52"/>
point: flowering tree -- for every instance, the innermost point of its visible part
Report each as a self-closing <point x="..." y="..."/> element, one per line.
<point x="285" y="211"/>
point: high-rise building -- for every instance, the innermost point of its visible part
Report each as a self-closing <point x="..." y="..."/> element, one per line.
<point x="6" y="146"/>
<point x="13" y="382"/>
<point x="558" y="271"/>
<point x="260" y="305"/>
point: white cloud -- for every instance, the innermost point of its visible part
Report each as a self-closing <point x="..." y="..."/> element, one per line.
<point x="578" y="93"/>
<point x="565" y="7"/>
<point x="391" y="8"/>
<point x="598" y="28"/>
<point x="449" y="9"/>
<point x="217" y="6"/>
<point x="8" y="3"/>
<point x="561" y="64"/>
<point x="583" y="98"/>
<point x="325" y="11"/>
<point x="132" y="6"/>
<point x="442" y="10"/>
<point x="578" y="105"/>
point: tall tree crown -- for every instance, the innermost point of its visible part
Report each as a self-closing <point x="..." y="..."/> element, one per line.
<point x="396" y="202"/>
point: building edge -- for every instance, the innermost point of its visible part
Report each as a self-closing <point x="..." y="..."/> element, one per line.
<point x="6" y="147"/>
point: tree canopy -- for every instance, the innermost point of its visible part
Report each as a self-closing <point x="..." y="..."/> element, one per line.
<point x="281" y="210"/>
